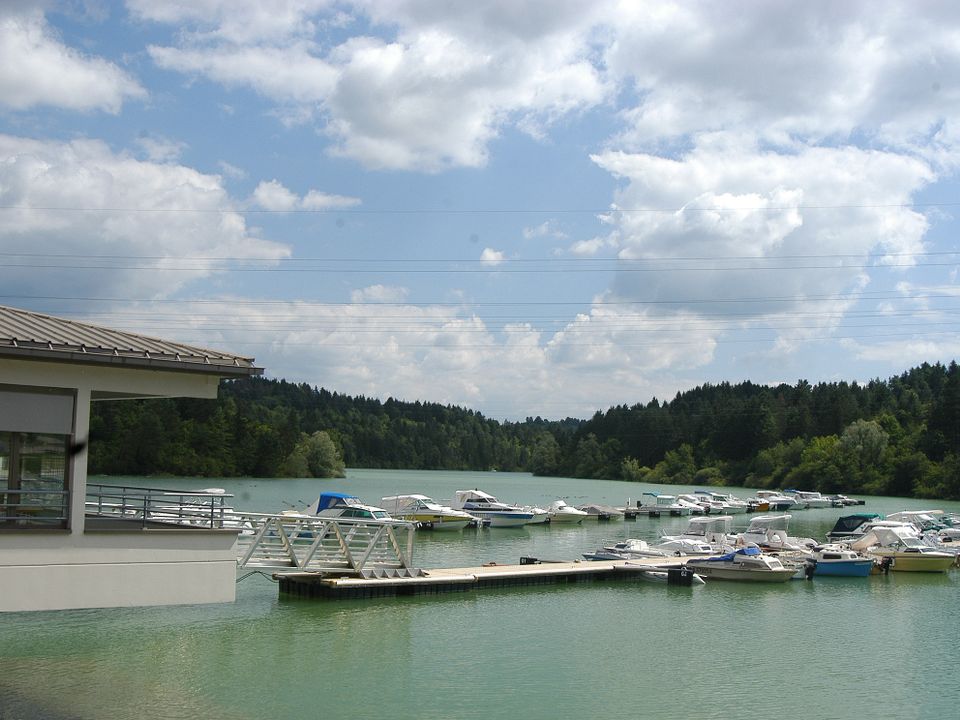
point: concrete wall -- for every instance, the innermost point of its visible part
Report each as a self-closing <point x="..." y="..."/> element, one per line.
<point x="52" y="570"/>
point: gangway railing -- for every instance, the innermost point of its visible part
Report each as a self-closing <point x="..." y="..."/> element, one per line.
<point x="120" y="507"/>
<point x="304" y="543"/>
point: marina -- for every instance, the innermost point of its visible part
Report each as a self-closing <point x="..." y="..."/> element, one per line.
<point x="520" y="645"/>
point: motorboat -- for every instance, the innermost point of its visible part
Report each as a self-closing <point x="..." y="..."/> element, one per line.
<point x="659" y="504"/>
<point x="777" y="501"/>
<point x="696" y="506"/>
<point x="628" y="549"/>
<point x="770" y="532"/>
<point x="560" y="512"/>
<point x="712" y="530"/>
<point x="487" y="507"/>
<point x="840" y="500"/>
<point x="601" y="512"/>
<point x="540" y="515"/>
<point x="706" y="507"/>
<point x="810" y="498"/>
<point x="427" y="512"/>
<point x="729" y="505"/>
<point x="634" y="548"/>
<point x="841" y="561"/>
<point x="745" y="564"/>
<point x="902" y="550"/>
<point x="663" y="576"/>
<point x="851" y="526"/>
<point x="344" y="505"/>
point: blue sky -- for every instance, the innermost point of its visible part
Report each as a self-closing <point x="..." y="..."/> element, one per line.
<point x="525" y="208"/>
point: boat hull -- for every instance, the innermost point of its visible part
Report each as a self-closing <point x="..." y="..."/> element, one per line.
<point x="504" y="520"/>
<point x="918" y="562"/>
<point x="844" y="568"/>
<point x="711" y="572"/>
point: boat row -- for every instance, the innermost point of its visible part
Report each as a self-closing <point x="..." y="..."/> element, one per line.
<point x="470" y="508"/>
<point x="713" y="502"/>
<point x="859" y="545"/>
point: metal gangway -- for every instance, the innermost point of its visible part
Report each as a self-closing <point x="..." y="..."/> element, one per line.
<point x="294" y="542"/>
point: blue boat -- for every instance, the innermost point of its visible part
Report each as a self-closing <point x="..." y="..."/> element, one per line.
<point x="841" y="562"/>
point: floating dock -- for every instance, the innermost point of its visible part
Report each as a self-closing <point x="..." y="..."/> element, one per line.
<point x="530" y="572"/>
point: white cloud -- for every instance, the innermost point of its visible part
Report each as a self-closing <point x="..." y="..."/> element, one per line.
<point x="274" y="196"/>
<point x="161" y="149"/>
<point x="451" y="87"/>
<point x="548" y="228"/>
<point x="37" y="69"/>
<point x="118" y="221"/>
<point x="492" y="257"/>
<point x="231" y="171"/>
<point x="379" y="294"/>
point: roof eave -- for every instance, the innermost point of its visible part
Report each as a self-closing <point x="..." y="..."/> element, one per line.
<point x="206" y="367"/>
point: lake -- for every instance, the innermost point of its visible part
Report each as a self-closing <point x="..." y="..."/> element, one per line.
<point x="884" y="646"/>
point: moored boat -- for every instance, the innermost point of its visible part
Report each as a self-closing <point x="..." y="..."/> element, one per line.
<point x="427" y="512"/>
<point x="903" y="550"/>
<point x="840" y="561"/>
<point x="560" y="512"/>
<point x="487" y="507"/>
<point x="746" y="564"/>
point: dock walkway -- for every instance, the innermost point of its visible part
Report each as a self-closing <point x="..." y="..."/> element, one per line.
<point x="451" y="580"/>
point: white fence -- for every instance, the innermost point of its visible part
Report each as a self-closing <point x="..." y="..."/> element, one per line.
<point x="298" y="543"/>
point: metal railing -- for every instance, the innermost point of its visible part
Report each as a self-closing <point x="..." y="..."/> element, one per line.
<point x="24" y="508"/>
<point x="303" y="543"/>
<point x="120" y="507"/>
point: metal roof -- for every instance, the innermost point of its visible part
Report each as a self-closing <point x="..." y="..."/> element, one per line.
<point x="30" y="335"/>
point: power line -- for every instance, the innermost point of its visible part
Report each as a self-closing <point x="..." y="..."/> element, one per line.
<point x="478" y="211"/>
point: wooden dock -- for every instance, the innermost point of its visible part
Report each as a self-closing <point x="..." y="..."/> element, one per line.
<point x="460" y="580"/>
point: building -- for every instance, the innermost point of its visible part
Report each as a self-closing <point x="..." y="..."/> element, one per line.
<point x="64" y="544"/>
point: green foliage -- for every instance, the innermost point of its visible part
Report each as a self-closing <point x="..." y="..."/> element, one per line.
<point x="315" y="456"/>
<point x="900" y="436"/>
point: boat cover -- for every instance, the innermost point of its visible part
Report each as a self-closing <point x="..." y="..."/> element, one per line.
<point x="848" y="523"/>
<point x="732" y="555"/>
<point x="332" y="499"/>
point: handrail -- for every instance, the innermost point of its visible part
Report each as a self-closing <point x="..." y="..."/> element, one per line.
<point x="304" y="543"/>
<point x="155" y="507"/>
<point x="24" y="508"/>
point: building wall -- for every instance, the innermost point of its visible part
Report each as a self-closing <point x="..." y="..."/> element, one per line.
<point x="74" y="568"/>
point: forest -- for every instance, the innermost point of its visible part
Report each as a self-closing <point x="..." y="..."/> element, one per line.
<point x="899" y="436"/>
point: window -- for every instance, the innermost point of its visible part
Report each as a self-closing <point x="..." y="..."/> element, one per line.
<point x="33" y="480"/>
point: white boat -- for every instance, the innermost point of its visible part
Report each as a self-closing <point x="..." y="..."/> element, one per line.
<point x="634" y="548"/>
<point x="777" y="501"/>
<point x="601" y="512"/>
<point x="540" y="515"/>
<point x="659" y="504"/>
<point x="664" y="576"/>
<point x="810" y="498"/>
<point x="427" y="512"/>
<point x="770" y="532"/>
<point x="712" y="530"/>
<point x="903" y="550"/>
<point x="487" y="507"/>
<point x="745" y="564"/>
<point x="560" y="512"/>
<point x="344" y="505"/>
<point x="729" y="505"/>
<point x="706" y="507"/>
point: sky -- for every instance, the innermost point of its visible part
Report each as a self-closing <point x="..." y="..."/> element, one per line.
<point x="524" y="208"/>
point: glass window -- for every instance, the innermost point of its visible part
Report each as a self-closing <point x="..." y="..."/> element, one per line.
<point x="33" y="480"/>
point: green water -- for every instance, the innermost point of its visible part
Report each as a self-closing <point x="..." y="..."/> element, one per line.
<point x="833" y="648"/>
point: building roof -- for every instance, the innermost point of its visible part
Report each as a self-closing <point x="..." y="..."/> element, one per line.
<point x="34" y="336"/>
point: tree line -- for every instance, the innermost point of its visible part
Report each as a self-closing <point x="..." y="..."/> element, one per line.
<point x="892" y="437"/>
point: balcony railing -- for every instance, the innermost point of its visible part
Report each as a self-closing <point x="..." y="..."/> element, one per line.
<point x="29" y="508"/>
<point x="111" y="507"/>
